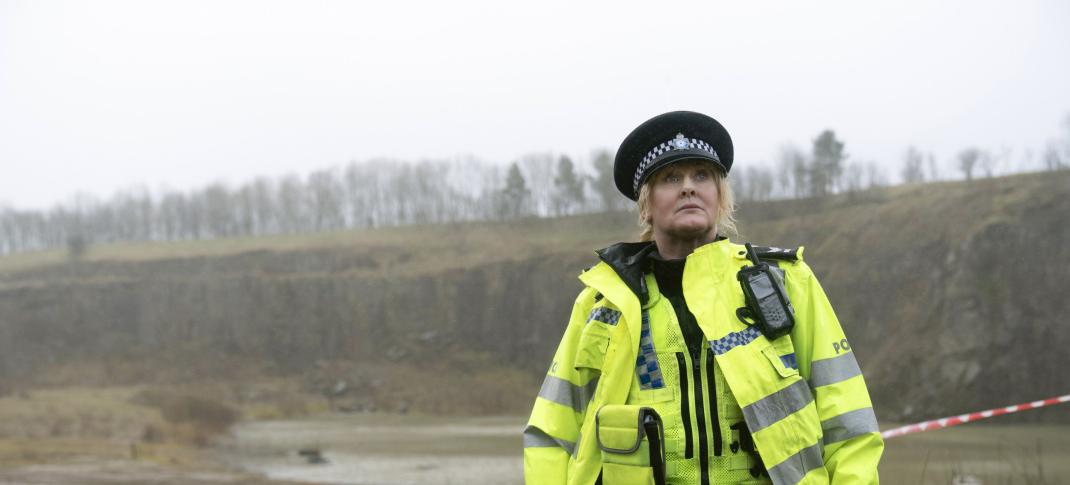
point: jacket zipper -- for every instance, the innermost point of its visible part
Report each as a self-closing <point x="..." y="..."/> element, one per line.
<point x="685" y="409"/>
<point x="712" y="388"/>
<point x="700" y="418"/>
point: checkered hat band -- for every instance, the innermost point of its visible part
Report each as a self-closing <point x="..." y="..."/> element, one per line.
<point x="663" y="148"/>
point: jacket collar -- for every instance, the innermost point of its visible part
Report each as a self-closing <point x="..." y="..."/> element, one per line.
<point x="631" y="261"/>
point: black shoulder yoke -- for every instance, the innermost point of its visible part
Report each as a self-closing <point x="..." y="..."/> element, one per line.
<point x="630" y="261"/>
<point x="780" y="254"/>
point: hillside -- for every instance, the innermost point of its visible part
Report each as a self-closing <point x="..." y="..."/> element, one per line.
<point x="952" y="294"/>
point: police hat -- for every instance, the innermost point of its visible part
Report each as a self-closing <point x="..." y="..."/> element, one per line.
<point x="668" y="138"/>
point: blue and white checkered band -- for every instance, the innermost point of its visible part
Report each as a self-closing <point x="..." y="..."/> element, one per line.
<point x="679" y="143"/>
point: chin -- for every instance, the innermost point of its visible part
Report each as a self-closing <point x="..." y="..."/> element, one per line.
<point x="690" y="232"/>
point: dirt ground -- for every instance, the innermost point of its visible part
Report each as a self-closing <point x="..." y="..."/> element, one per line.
<point x="379" y="449"/>
<point x="373" y="450"/>
<point x="987" y="452"/>
<point x="127" y="472"/>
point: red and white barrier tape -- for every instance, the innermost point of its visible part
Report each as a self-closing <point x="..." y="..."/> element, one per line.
<point x="965" y="418"/>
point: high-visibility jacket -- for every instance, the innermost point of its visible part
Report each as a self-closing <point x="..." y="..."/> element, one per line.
<point x="802" y="396"/>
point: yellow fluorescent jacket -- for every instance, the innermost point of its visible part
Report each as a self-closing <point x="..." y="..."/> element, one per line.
<point x="811" y="423"/>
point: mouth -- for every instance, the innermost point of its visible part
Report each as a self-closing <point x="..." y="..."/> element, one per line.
<point x="688" y="207"/>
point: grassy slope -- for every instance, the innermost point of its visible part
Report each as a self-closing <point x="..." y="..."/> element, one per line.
<point x="833" y="220"/>
<point x="419" y="249"/>
<point x="890" y="259"/>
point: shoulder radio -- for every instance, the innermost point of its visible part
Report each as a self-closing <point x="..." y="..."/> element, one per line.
<point x="768" y="307"/>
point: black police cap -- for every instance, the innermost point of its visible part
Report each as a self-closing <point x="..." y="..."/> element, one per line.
<point x="669" y="138"/>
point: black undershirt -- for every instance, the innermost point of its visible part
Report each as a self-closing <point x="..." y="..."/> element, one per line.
<point x="669" y="275"/>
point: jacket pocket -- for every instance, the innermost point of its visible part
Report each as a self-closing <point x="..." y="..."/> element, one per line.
<point x="632" y="440"/>
<point x="614" y="474"/>
<point x="591" y="350"/>
<point x="783" y="363"/>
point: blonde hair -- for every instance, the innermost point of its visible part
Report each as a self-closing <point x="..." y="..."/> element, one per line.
<point x="726" y="207"/>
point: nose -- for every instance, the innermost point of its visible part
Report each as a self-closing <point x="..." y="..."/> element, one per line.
<point x="687" y="188"/>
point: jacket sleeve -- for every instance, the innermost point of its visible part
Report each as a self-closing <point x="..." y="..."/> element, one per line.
<point x="852" y="441"/>
<point x="554" y="426"/>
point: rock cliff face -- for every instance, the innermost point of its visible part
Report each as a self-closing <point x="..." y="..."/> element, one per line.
<point x="954" y="295"/>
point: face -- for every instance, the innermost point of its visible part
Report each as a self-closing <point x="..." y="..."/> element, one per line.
<point x="684" y="201"/>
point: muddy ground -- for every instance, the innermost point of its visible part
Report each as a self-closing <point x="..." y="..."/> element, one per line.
<point x="370" y="449"/>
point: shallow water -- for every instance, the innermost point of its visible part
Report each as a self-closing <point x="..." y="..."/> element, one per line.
<point x="381" y="449"/>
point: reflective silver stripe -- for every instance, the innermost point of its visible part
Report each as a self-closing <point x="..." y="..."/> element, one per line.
<point x="849" y="424"/>
<point x="796" y="467"/>
<point x="537" y="438"/>
<point x="830" y="371"/>
<point x="777" y="406"/>
<point x="566" y="393"/>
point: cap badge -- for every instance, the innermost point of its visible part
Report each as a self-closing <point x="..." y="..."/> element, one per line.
<point x="680" y="142"/>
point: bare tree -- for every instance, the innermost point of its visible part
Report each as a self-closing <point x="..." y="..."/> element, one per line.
<point x="874" y="175"/>
<point x="245" y="210"/>
<point x="755" y="183"/>
<point x="325" y="197"/>
<point x="967" y="161"/>
<point x="216" y="200"/>
<point x="1052" y="158"/>
<point x="853" y="174"/>
<point x="913" y="166"/>
<point x="171" y="216"/>
<point x="792" y="171"/>
<point x="538" y="171"/>
<point x="360" y="190"/>
<point x="934" y="171"/>
<point x="604" y="184"/>
<point x="289" y="199"/>
<point x="1056" y="154"/>
<point x="264" y="206"/>
<point x="77" y="245"/>
<point x="7" y="230"/>
<point x="990" y="162"/>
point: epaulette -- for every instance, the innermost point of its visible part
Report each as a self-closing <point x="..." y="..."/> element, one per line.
<point x="780" y="254"/>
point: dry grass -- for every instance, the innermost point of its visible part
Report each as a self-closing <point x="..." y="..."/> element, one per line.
<point x="163" y="425"/>
<point x="436" y="247"/>
<point x="446" y="245"/>
<point x="73" y="413"/>
<point x="995" y="454"/>
<point x="52" y="425"/>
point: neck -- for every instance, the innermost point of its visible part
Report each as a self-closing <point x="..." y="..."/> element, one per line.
<point x="673" y="247"/>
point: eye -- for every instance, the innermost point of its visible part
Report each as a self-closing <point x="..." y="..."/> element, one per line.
<point x="672" y="177"/>
<point x="702" y="175"/>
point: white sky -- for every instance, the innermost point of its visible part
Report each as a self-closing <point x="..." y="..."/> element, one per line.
<point x="102" y="95"/>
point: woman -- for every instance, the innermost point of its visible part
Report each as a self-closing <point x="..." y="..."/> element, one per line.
<point x="666" y="374"/>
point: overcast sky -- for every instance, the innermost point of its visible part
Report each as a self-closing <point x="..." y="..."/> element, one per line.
<point x="102" y="95"/>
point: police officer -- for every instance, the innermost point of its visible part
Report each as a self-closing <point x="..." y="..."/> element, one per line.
<point x="668" y="374"/>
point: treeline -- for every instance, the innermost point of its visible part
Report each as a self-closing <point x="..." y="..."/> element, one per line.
<point x="359" y="195"/>
<point x="827" y="168"/>
<point x="386" y="192"/>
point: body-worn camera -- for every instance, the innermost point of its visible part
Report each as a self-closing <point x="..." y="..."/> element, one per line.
<point x="768" y="307"/>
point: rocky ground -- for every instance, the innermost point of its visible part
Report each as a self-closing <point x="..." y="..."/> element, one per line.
<point x="127" y="472"/>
